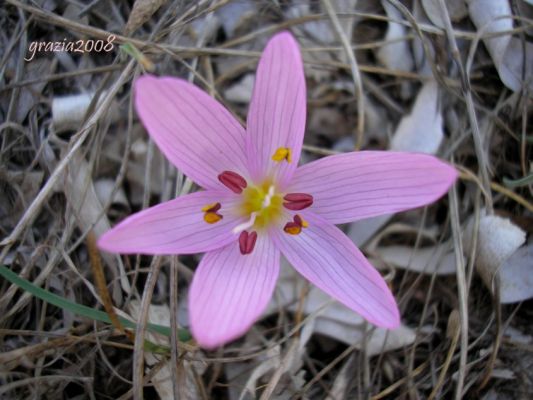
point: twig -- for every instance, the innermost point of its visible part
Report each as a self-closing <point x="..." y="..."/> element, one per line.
<point x="467" y="92"/>
<point x="461" y="288"/>
<point x="354" y="70"/>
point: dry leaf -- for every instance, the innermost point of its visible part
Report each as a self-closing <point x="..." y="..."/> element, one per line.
<point x="362" y="231"/>
<point x="140" y="13"/>
<point x="320" y="32"/>
<point x="498" y="239"/>
<point x="421" y="130"/>
<point x="395" y="55"/>
<point x="235" y="14"/>
<point x="439" y="259"/>
<point x="516" y="276"/>
<point x="334" y="319"/>
<point x="457" y="10"/>
<point x="160" y="314"/>
<point x="81" y="196"/>
<point x="506" y="52"/>
<point x="68" y="111"/>
<point x="29" y="95"/>
<point x="241" y="92"/>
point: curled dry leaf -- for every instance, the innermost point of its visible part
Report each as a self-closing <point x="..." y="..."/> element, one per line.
<point x="421" y="130"/>
<point x="514" y="66"/>
<point x="498" y="239"/>
<point x="162" y="380"/>
<point x="68" y="111"/>
<point x="395" y="55"/>
<point x="140" y="13"/>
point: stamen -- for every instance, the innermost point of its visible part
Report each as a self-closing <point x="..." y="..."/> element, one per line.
<point x="233" y="181"/>
<point x="295" y="227"/>
<point x="247" y="242"/>
<point x="297" y="201"/>
<point x="282" y="153"/>
<point x="210" y="213"/>
<point x="246" y="225"/>
<point x="292" y="228"/>
<point x="211" y="207"/>
<point x="212" y="217"/>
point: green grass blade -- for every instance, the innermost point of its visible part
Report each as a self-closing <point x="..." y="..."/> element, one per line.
<point x="79" y="309"/>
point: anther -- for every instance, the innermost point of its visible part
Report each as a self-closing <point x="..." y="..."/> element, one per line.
<point x="282" y="153"/>
<point x="295" y="227"/>
<point x="247" y="242"/>
<point x="297" y="201"/>
<point x="233" y="181"/>
<point x="211" y="214"/>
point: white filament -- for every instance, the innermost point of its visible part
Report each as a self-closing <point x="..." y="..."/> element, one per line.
<point x="245" y="225"/>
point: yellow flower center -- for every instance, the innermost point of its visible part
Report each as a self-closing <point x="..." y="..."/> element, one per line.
<point x="262" y="204"/>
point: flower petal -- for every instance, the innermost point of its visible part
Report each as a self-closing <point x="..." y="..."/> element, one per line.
<point x="276" y="118"/>
<point x="352" y="186"/>
<point x="324" y="255"/>
<point x="195" y="132"/>
<point x="175" y="227"/>
<point x="229" y="291"/>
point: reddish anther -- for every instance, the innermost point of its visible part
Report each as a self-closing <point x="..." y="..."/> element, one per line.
<point x="247" y="242"/>
<point x="297" y="201"/>
<point x="233" y="181"/>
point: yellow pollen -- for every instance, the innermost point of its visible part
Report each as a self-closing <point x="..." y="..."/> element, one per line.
<point x="282" y="153"/>
<point x="293" y="230"/>
<point x="212" y="217"/>
<point x="305" y="224"/>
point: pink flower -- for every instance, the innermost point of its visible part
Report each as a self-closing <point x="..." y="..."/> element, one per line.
<point x="257" y="204"/>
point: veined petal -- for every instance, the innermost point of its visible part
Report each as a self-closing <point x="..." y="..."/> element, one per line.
<point x="195" y="132"/>
<point x="324" y="255"/>
<point x="229" y="291"/>
<point x="352" y="186"/>
<point x="175" y="227"/>
<point x="276" y="119"/>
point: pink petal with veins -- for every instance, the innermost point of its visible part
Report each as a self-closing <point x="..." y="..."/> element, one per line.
<point x="277" y="111"/>
<point x="229" y="291"/>
<point x="175" y="227"/>
<point x="352" y="186"/>
<point x="195" y="132"/>
<point x="325" y="256"/>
